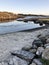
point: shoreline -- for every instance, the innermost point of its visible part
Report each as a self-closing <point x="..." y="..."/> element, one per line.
<point x="15" y="41"/>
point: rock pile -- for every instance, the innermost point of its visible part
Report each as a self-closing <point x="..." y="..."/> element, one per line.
<point x="30" y="54"/>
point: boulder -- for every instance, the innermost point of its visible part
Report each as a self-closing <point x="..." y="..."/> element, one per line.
<point x="27" y="47"/>
<point x="45" y="54"/>
<point x="37" y="43"/>
<point x="39" y="51"/>
<point x="23" y="54"/>
<point x="37" y="61"/>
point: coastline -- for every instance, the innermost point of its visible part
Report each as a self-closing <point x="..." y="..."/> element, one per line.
<point x="15" y="41"/>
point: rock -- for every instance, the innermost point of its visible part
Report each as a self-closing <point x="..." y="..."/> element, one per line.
<point x="0" y="64"/>
<point x="37" y="61"/>
<point x="37" y="42"/>
<point x="32" y="63"/>
<point x="23" y="54"/>
<point x="47" y="41"/>
<point x="10" y="61"/>
<point x="43" y="39"/>
<point x="27" y="47"/>
<point x="15" y="61"/>
<point x="4" y="63"/>
<point x="45" y="54"/>
<point x="39" y="51"/>
<point x="44" y="34"/>
<point x="18" y="61"/>
<point x="46" y="45"/>
<point x="32" y="50"/>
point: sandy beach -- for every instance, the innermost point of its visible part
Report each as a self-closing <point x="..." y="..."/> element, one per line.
<point x="15" y="41"/>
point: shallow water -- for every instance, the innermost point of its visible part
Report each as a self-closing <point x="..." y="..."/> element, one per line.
<point x="16" y="26"/>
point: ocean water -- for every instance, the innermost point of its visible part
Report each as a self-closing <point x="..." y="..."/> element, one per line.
<point x="15" y="26"/>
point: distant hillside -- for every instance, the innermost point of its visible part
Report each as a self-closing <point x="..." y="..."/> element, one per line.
<point x="8" y="16"/>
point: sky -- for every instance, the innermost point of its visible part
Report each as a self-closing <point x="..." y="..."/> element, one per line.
<point x="25" y="6"/>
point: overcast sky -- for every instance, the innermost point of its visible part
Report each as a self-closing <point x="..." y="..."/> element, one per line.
<point x="25" y="6"/>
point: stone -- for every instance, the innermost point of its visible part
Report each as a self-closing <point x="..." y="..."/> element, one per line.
<point x="0" y="64"/>
<point x="45" y="54"/>
<point x="37" y="61"/>
<point x="27" y="47"/>
<point x="18" y="61"/>
<point x="47" y="41"/>
<point x="32" y="50"/>
<point x="23" y="54"/>
<point x="37" y="42"/>
<point x="9" y="60"/>
<point x="4" y="63"/>
<point x="43" y="39"/>
<point x="39" y="51"/>
<point x="46" y="45"/>
<point x="32" y="63"/>
<point x="15" y="61"/>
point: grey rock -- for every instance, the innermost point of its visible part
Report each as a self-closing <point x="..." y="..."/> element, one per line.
<point x="4" y="63"/>
<point x="14" y="60"/>
<point x="33" y="63"/>
<point x="27" y="47"/>
<point x="18" y="61"/>
<point x="39" y="51"/>
<point x="9" y="60"/>
<point x="0" y="64"/>
<point x="37" y="61"/>
<point x="37" y="42"/>
<point x="23" y="54"/>
<point x="47" y="41"/>
<point x="46" y="45"/>
<point x="32" y="50"/>
<point x="45" y="54"/>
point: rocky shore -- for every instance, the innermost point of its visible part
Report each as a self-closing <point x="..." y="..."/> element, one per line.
<point x="25" y="48"/>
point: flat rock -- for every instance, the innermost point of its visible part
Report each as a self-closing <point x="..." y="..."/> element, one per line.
<point x="37" y="61"/>
<point x="27" y="47"/>
<point x="23" y="54"/>
<point x="40" y="51"/>
<point x="45" y="54"/>
<point x="15" y="61"/>
<point x="18" y="61"/>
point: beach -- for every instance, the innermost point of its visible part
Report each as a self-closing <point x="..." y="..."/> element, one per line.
<point x="15" y="41"/>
